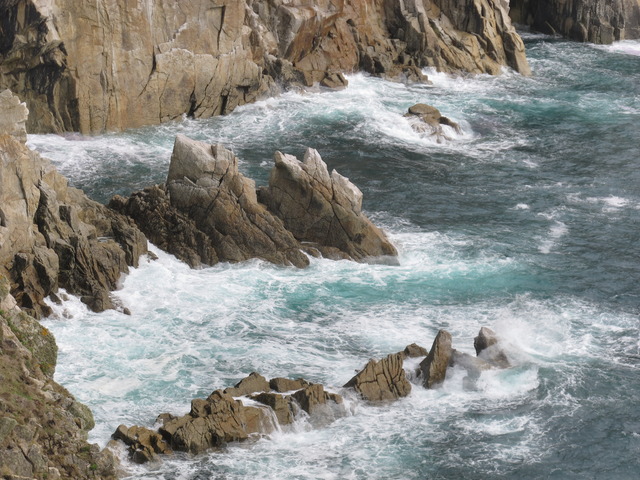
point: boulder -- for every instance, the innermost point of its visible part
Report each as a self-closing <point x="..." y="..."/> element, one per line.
<point x="433" y="369"/>
<point x="144" y="444"/>
<point x="313" y="397"/>
<point x="428" y="120"/>
<point x="488" y="349"/>
<point x="383" y="380"/>
<point x="280" y="405"/>
<point x="323" y="210"/>
<point x="283" y="385"/>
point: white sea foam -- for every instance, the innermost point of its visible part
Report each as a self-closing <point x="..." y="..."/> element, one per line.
<point x="627" y="47"/>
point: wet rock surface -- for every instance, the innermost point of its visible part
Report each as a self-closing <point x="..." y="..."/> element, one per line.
<point x="382" y="380"/>
<point x="428" y="120"/>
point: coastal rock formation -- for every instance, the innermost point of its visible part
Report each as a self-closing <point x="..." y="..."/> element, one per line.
<point x="433" y="369"/>
<point x="427" y="119"/>
<point x="322" y="210"/>
<point x="596" y="21"/>
<point x="52" y="235"/>
<point x="220" y="418"/>
<point x="209" y="212"/>
<point x="43" y="429"/>
<point x="382" y="380"/>
<point x="90" y="67"/>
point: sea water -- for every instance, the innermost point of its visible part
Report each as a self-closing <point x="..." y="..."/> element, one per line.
<point x="528" y="222"/>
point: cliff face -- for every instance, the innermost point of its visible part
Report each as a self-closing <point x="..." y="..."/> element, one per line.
<point x="114" y="64"/>
<point x="596" y="21"/>
<point x="52" y="235"/>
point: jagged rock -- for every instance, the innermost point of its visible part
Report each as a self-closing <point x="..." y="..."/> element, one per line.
<point x="322" y="209"/>
<point x="43" y="429"/>
<point x="382" y="380"/>
<point x="205" y="192"/>
<point x="282" y="385"/>
<point x="596" y="21"/>
<point x="433" y="369"/>
<point x="428" y="120"/>
<point x="251" y="384"/>
<point x="52" y="235"/>
<point x="209" y="212"/>
<point x="14" y="116"/>
<point x="148" y="62"/>
<point x="414" y="351"/>
<point x="487" y="348"/>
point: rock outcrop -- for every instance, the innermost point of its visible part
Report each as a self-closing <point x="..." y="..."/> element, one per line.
<point x="488" y="349"/>
<point x="90" y="67"/>
<point x="322" y="210"/>
<point x="382" y="380"/>
<point x="52" y="235"/>
<point x="433" y="369"/>
<point x="596" y="21"/>
<point x="208" y="212"/>
<point x="43" y="429"/>
<point x="220" y="418"/>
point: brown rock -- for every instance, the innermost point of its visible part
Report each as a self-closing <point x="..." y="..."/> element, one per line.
<point x="279" y="404"/>
<point x="414" y="350"/>
<point x="312" y="397"/>
<point x="283" y="385"/>
<point x="433" y="369"/>
<point x="323" y="209"/>
<point x="382" y="380"/>
<point x="427" y="119"/>
<point x="251" y="384"/>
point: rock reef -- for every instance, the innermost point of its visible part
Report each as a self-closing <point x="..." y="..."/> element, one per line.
<point x="208" y="212"/>
<point x="91" y="67"/>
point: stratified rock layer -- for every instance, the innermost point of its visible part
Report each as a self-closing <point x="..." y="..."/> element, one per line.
<point x="596" y="21"/>
<point x="95" y="66"/>
<point x="382" y="380"/>
<point x="209" y="212"/>
<point x="52" y="235"/>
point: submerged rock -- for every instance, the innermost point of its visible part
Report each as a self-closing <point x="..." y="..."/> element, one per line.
<point x="382" y="380"/>
<point x="322" y="210"/>
<point x="428" y="120"/>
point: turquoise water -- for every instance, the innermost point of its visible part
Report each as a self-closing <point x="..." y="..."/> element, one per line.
<point x="526" y="222"/>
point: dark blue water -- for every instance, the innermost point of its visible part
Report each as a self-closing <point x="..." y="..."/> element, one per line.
<point x="527" y="222"/>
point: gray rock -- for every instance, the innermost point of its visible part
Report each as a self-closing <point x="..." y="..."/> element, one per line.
<point x="488" y="349"/>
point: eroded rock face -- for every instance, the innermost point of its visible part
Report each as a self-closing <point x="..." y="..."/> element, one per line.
<point x="595" y="21"/>
<point x="52" y="235"/>
<point x="382" y="380"/>
<point x="433" y="369"/>
<point x="90" y="67"/>
<point x="323" y="210"/>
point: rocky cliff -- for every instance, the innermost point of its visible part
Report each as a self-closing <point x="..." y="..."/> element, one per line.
<point x="114" y="64"/>
<point x="52" y="235"/>
<point x="597" y="21"/>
